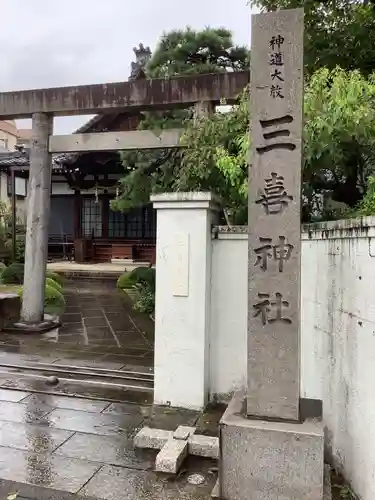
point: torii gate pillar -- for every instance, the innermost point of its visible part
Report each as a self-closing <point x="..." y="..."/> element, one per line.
<point x="38" y="210"/>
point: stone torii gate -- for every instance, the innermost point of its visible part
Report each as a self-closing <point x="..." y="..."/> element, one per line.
<point x="43" y="104"/>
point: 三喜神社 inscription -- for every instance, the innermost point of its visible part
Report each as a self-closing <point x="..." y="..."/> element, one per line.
<point x="273" y="134"/>
<point x="287" y="459"/>
<point x="265" y="307"/>
<point x="274" y="219"/>
<point x="279" y="253"/>
<point x="274" y="197"/>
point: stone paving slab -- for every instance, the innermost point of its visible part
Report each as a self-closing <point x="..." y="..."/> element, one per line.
<point x="128" y="408"/>
<point x="101" y="424"/>
<point x="108" y="450"/>
<point x="67" y="403"/>
<point x="12" y="396"/>
<point x="115" y="483"/>
<point x="77" y="389"/>
<point x="33" y="438"/>
<point x="28" y="414"/>
<point x="88" y="363"/>
<point x="99" y="326"/>
<point x="45" y="470"/>
<point x="31" y="492"/>
<point x="170" y="418"/>
<point x="81" y="449"/>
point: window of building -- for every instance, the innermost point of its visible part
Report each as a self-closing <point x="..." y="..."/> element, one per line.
<point x="149" y="222"/>
<point x="137" y="223"/>
<point x="92" y="217"/>
<point x="4" y="143"/>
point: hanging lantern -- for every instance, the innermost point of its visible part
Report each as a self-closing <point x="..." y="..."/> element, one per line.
<point x="96" y="195"/>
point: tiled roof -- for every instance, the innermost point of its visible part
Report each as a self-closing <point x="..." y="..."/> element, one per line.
<point x="21" y="159"/>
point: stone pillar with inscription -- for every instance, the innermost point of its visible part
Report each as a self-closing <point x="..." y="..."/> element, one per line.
<point x="269" y="449"/>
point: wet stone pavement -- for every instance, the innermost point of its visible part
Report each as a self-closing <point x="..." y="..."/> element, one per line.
<point x="85" y="447"/>
<point x="100" y="329"/>
<point x="59" y="447"/>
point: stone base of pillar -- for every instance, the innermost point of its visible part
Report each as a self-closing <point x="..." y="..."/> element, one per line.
<point x="42" y="327"/>
<point x="261" y="460"/>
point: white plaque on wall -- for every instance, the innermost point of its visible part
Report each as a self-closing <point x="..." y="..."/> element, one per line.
<point x="180" y="265"/>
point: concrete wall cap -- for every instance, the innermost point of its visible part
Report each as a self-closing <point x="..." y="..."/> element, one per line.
<point x="185" y="200"/>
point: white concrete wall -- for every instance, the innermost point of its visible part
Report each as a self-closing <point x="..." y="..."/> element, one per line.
<point x="228" y="355"/>
<point x="182" y="303"/>
<point x="338" y="335"/>
<point x="338" y="342"/>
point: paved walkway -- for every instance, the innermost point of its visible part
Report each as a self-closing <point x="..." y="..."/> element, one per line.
<point x="115" y="268"/>
<point x="80" y="446"/>
<point x="62" y="445"/>
<point x="100" y="329"/>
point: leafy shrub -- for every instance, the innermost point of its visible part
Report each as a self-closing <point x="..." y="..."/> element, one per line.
<point x="54" y="284"/>
<point x="20" y="248"/>
<point x="52" y="297"/>
<point x="55" y="277"/>
<point x="13" y="274"/>
<point x="145" y="302"/>
<point x="125" y="281"/>
<point x="144" y="275"/>
<point x="2" y="267"/>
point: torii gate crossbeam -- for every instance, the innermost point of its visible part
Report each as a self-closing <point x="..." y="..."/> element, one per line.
<point x="43" y="104"/>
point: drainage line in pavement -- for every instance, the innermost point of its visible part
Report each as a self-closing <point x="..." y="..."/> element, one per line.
<point x="91" y="372"/>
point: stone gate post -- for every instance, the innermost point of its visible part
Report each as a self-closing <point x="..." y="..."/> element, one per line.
<point x="38" y="209"/>
<point x="182" y="312"/>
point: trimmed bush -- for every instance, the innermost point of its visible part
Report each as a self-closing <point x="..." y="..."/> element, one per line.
<point x="144" y="275"/>
<point x="52" y="297"/>
<point x="2" y="267"/>
<point x="13" y="274"/>
<point x="146" y="298"/>
<point x="54" y="284"/>
<point x="55" y="277"/>
<point x="125" y="281"/>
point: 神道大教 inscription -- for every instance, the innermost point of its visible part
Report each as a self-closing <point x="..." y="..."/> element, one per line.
<point x="276" y="58"/>
<point x="274" y="215"/>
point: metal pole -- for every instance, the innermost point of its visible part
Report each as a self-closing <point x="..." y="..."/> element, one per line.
<point x="14" y="213"/>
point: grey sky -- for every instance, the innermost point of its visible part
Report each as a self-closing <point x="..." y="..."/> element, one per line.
<point x="49" y="43"/>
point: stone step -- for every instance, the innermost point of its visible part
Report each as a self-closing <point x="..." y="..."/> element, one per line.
<point x="91" y="383"/>
<point x="143" y="380"/>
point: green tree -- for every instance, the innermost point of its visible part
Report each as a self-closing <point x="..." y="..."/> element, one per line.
<point x="339" y="144"/>
<point x="179" y="52"/>
<point x="215" y="158"/>
<point x="367" y="205"/>
<point x="188" y="51"/>
<point x="337" y="32"/>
